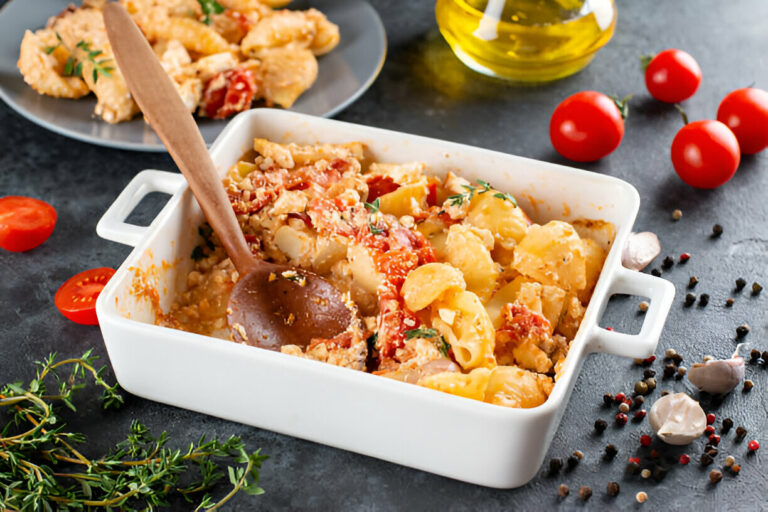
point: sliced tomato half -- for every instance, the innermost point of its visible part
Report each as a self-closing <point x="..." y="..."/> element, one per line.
<point x="25" y="222"/>
<point x="76" y="298"/>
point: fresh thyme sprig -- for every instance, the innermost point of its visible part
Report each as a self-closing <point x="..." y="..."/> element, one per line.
<point x="459" y="199"/>
<point x="428" y="333"/>
<point x="40" y="468"/>
<point x="74" y="66"/>
<point x="373" y="208"/>
<point x="210" y="7"/>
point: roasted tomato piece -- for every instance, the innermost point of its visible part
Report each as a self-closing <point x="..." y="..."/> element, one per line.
<point x="76" y="298"/>
<point x="228" y="93"/>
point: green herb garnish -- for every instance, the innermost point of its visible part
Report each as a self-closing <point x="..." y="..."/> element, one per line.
<point x="458" y="199"/>
<point x="421" y="332"/>
<point x="210" y="7"/>
<point x="373" y="207"/>
<point x="41" y="469"/>
<point x="100" y="67"/>
<point x="486" y="186"/>
<point x="443" y="346"/>
<point x="506" y="197"/>
<point x="374" y="229"/>
<point x="371" y="342"/>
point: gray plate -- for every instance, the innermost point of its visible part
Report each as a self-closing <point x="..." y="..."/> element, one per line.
<point x="343" y="75"/>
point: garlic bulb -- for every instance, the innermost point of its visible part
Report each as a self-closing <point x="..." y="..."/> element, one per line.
<point x="677" y="419"/>
<point x="718" y="376"/>
<point x="640" y="250"/>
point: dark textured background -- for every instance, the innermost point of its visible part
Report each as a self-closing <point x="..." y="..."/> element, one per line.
<point x="423" y="89"/>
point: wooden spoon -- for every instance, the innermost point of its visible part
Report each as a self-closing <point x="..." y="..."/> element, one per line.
<point x="271" y="305"/>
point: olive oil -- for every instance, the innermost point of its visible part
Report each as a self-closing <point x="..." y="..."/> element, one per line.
<point x="526" y="40"/>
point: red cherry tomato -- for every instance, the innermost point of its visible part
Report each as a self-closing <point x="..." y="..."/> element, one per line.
<point x="228" y="92"/>
<point x="672" y="76"/>
<point x="586" y="126"/>
<point x="76" y="298"/>
<point x="25" y="222"/>
<point x="745" y="112"/>
<point x="705" y="153"/>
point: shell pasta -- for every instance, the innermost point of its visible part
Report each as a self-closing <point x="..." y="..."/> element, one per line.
<point x="454" y="287"/>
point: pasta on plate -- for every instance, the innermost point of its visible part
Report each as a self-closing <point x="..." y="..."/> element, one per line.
<point x="221" y="55"/>
<point x="453" y="286"/>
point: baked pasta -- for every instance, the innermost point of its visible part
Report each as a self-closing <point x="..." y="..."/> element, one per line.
<point x="455" y="288"/>
<point x="221" y="56"/>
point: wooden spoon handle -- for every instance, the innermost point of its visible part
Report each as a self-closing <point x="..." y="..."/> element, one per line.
<point x="158" y="99"/>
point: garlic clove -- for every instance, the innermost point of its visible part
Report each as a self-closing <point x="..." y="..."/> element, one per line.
<point x="640" y="250"/>
<point x="717" y="376"/>
<point x="677" y="419"/>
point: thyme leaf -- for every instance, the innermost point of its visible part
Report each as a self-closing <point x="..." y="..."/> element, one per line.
<point x="506" y="197"/>
<point x="210" y="7"/>
<point x="421" y="332"/>
<point x="373" y="206"/>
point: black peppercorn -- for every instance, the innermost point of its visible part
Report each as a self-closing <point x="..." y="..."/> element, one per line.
<point x="690" y="298"/>
<point x="693" y="281"/>
<point x="648" y="373"/>
<point x="669" y="370"/>
<point x="756" y="288"/>
<point x="638" y="402"/>
<point x="600" y="425"/>
<point x="677" y="359"/>
<point x="742" y="330"/>
<point x="563" y="490"/>
<point x="706" y="459"/>
<point x="764" y="355"/>
<point x="585" y="493"/>
<point x="754" y="355"/>
<point x="727" y="425"/>
<point x="608" y="399"/>
<point x="703" y="299"/>
<point x="741" y="433"/>
<point x="717" y="230"/>
<point x="748" y="385"/>
<point x="611" y="451"/>
<point x="715" y="476"/>
<point x="659" y="473"/>
<point x="613" y="488"/>
<point x="555" y="465"/>
<point x="633" y="468"/>
<point x="571" y="463"/>
<point x="740" y="283"/>
<point x="656" y="272"/>
<point x="711" y="451"/>
<point x="667" y="263"/>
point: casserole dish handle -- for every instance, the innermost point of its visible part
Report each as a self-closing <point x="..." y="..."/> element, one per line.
<point x="112" y="225"/>
<point x="641" y="345"/>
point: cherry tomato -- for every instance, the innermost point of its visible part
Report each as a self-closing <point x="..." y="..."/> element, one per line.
<point x="586" y="126"/>
<point x="76" y="298"/>
<point x="705" y="153"/>
<point x="745" y="112"/>
<point x="228" y="92"/>
<point x="25" y="222"/>
<point x="672" y="76"/>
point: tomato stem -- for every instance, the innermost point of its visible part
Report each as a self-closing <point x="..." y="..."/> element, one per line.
<point x="682" y="113"/>
<point x="646" y="59"/>
<point x="622" y="105"/>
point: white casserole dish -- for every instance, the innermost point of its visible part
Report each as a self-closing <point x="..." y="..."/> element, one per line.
<point x="398" y="422"/>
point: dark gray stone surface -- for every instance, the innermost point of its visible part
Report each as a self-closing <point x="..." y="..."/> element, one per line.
<point x="423" y="89"/>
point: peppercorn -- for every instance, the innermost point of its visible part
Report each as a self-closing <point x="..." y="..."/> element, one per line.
<point x="659" y="473"/>
<point x="740" y="283"/>
<point x="729" y="303"/>
<point x="715" y="476"/>
<point x="727" y="426"/>
<point x="610" y="451"/>
<point x="711" y="418"/>
<point x="624" y="408"/>
<point x="754" y="355"/>
<point x="741" y="433"/>
<point x="764" y="355"/>
<point x="613" y="488"/>
<point x="563" y="490"/>
<point x="669" y="370"/>
<point x="756" y="288"/>
<point x="621" y="419"/>
<point x="706" y="459"/>
<point x="677" y="214"/>
<point x="641" y="388"/>
<point x="648" y="373"/>
<point x="714" y="439"/>
<point x="669" y="353"/>
<point x="555" y="465"/>
<point x="608" y="399"/>
<point x="656" y="272"/>
<point x="717" y="230"/>
<point x="578" y="454"/>
<point x="690" y="298"/>
<point x="620" y="397"/>
<point x="677" y="359"/>
<point x="711" y="451"/>
<point x="709" y="430"/>
<point x="730" y="461"/>
<point x="685" y="257"/>
<point x="667" y="263"/>
<point x="692" y="282"/>
<point x="641" y="497"/>
<point x="638" y="402"/>
<point x="643" y="306"/>
<point x="735" y="469"/>
<point x="585" y="493"/>
<point x="748" y="385"/>
<point x="633" y="467"/>
<point x="639" y="415"/>
<point x="664" y="392"/>
<point x="684" y="459"/>
<point x="742" y="330"/>
<point x="651" y="383"/>
<point x="753" y="445"/>
<point x="646" y="473"/>
<point x="645" y="440"/>
<point x="600" y="425"/>
<point x="571" y="463"/>
<point x="649" y="360"/>
<point x="703" y="299"/>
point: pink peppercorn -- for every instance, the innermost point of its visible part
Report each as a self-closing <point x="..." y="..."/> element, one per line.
<point x="710" y="418"/>
<point x="709" y="430"/>
<point x="645" y="440"/>
<point x="714" y="439"/>
<point x="649" y="360"/>
<point x="609" y="328"/>
<point x="635" y="460"/>
<point x="620" y="397"/>
<point x="685" y="257"/>
<point x="685" y="459"/>
<point x="639" y="415"/>
<point x="753" y="445"/>
<point x="621" y="419"/>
